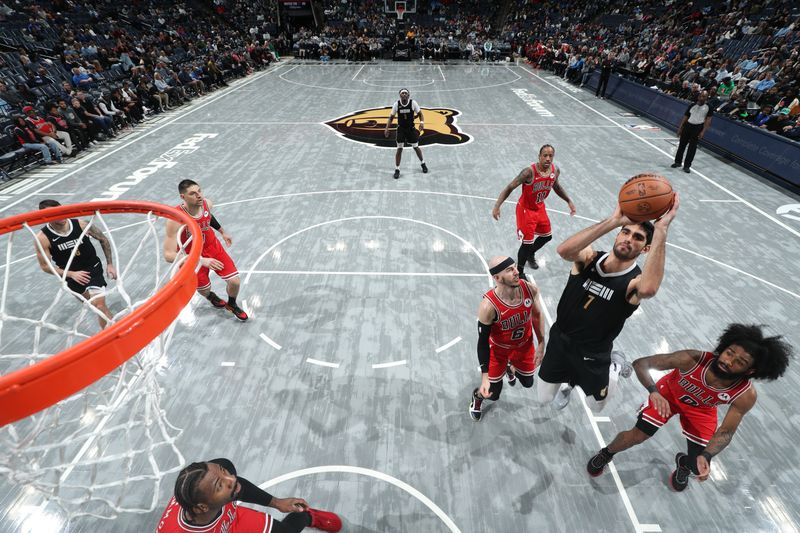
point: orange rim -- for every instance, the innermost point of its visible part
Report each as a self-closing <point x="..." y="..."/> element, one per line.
<point x="33" y="388"/>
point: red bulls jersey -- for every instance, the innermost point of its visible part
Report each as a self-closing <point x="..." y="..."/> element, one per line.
<point x="210" y="241"/>
<point x="534" y="193"/>
<point x="691" y="387"/>
<point x="232" y="519"/>
<point x="514" y="325"/>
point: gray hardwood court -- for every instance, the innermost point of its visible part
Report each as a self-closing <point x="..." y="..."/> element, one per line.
<point x="350" y="383"/>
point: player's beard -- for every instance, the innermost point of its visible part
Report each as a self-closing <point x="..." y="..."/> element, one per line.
<point x="511" y="282"/>
<point x="723" y="374"/>
<point x="623" y="255"/>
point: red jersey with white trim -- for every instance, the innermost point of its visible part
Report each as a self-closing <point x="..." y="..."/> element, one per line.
<point x="232" y="519"/>
<point x="690" y="387"/>
<point x="210" y="242"/>
<point x="534" y="193"/>
<point x="513" y="328"/>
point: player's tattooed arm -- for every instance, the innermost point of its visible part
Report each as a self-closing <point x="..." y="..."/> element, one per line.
<point x="105" y="244"/>
<point x="525" y="175"/>
<point x="724" y="434"/>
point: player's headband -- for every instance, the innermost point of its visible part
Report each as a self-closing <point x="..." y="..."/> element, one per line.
<point x="504" y="264"/>
<point x="405" y="91"/>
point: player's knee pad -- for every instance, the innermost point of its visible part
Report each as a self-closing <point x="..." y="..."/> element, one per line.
<point x="525" y="381"/>
<point x="645" y="427"/>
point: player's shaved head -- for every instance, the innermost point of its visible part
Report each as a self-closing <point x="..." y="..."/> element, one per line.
<point x="494" y="261"/>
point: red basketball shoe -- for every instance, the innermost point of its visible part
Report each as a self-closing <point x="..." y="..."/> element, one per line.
<point x="324" y="520"/>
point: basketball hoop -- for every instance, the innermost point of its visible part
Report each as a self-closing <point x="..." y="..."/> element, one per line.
<point x="63" y="444"/>
<point x="400" y="9"/>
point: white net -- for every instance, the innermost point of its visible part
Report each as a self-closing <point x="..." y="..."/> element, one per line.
<point x="104" y="450"/>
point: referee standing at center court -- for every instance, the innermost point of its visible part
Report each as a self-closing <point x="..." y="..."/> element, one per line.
<point x="695" y="122"/>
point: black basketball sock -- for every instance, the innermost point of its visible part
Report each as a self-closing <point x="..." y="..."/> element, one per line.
<point x="524" y="253"/>
<point x="232" y="301"/>
<point x="606" y="452"/>
<point x="539" y="242"/>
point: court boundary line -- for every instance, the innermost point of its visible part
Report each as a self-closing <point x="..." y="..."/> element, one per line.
<point x="437" y="91"/>
<point x="478" y="124"/>
<point x="758" y="210"/>
<point x="144" y="133"/>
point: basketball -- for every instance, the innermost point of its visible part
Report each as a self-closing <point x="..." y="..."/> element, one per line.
<point x="646" y="197"/>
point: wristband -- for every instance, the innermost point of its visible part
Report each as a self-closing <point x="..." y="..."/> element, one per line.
<point x="707" y="455"/>
<point x="651" y="389"/>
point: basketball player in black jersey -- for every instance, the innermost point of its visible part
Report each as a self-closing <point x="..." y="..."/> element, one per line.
<point x="85" y="275"/>
<point x="406" y="111"/>
<point x="603" y="290"/>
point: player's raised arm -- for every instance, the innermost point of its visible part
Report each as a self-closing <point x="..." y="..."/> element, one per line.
<point x="578" y="247"/>
<point x="521" y="178"/>
<point x="653" y="272"/>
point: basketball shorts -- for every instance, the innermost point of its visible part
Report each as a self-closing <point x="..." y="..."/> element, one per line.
<point x="407" y="136"/>
<point x="96" y="282"/>
<point x="228" y="267"/>
<point x="499" y="358"/>
<point x="567" y="361"/>
<point x="698" y="424"/>
<point x="532" y="224"/>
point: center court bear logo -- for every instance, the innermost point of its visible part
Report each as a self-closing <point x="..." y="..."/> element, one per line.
<point x="367" y="125"/>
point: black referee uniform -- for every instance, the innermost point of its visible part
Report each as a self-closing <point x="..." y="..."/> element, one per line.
<point x="694" y="121"/>
<point x="85" y="258"/>
<point x="591" y="312"/>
